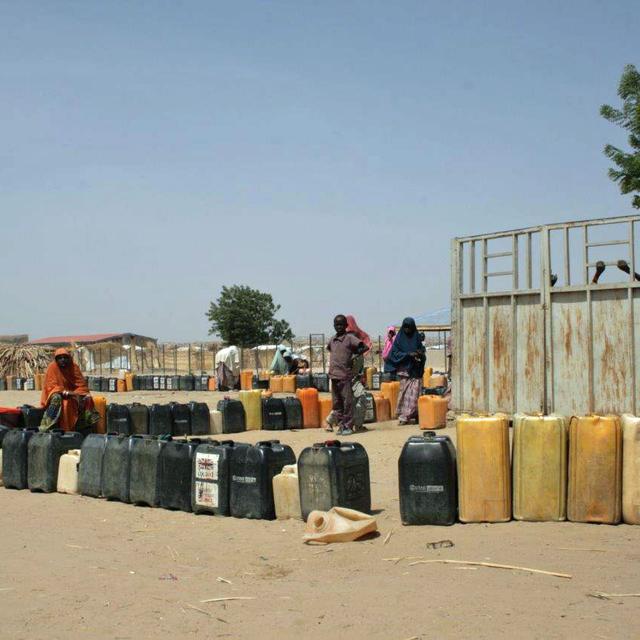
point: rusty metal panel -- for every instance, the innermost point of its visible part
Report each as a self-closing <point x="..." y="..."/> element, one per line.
<point x="500" y="356"/>
<point x="566" y="344"/>
<point x="529" y="370"/>
<point x="612" y="364"/>
<point x="472" y="328"/>
<point x="570" y="361"/>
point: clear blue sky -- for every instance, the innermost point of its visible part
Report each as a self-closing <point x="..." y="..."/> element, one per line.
<point x="326" y="152"/>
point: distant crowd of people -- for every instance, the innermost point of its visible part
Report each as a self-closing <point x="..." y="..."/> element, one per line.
<point x="68" y="404"/>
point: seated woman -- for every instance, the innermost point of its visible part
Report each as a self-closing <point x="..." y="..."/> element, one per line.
<point x="65" y="397"/>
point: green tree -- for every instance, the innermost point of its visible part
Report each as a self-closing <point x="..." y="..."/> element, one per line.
<point x="246" y="317"/>
<point x="627" y="175"/>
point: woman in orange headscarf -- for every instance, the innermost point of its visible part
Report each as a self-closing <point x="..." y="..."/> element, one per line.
<point x="65" y="396"/>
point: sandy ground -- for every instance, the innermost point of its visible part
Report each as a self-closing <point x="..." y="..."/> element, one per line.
<point x="76" y="567"/>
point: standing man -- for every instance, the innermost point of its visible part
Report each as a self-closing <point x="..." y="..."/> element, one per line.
<point x="343" y="347"/>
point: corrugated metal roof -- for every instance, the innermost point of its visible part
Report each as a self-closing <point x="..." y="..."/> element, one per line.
<point x="95" y="337"/>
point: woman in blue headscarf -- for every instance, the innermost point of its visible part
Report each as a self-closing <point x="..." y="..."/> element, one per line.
<point x="408" y="358"/>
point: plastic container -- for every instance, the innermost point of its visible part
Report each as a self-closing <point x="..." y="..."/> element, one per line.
<point x="118" y="419"/>
<point x="31" y="416"/>
<point x="437" y="381"/>
<point x="252" y="403"/>
<point x="199" y="418"/>
<point x="116" y="468"/>
<point x="310" y="408"/>
<point x="368" y="376"/>
<point x="428" y="480"/>
<point x="15" y="455"/>
<point x="334" y="474"/>
<point x="303" y="381"/>
<point x="233" y="416"/>
<point x="180" y="419"/>
<point x="275" y="384"/>
<point x="173" y="383"/>
<point x="139" y="415"/>
<point x="273" y="414"/>
<point x="186" y="383"/>
<point x="211" y="481"/>
<point x="252" y="471"/>
<point x="595" y="469"/>
<point x="631" y="469"/>
<point x="321" y="382"/>
<point x="68" y="472"/>
<point x="146" y="471"/>
<point x="128" y="381"/>
<point x="432" y="412"/>
<point x="100" y="405"/>
<point x="292" y="413"/>
<point x="539" y="468"/>
<point x="45" y="449"/>
<point x="338" y="525"/>
<point x="211" y="385"/>
<point x="390" y="391"/>
<point x="160" y="420"/>
<point x="201" y="382"/>
<point x="215" y="420"/>
<point x="325" y="406"/>
<point x="104" y="384"/>
<point x="121" y="386"/>
<point x="246" y="379"/>
<point x="176" y="460"/>
<point x="10" y="417"/>
<point x="288" y="384"/>
<point x="484" y="472"/>
<point x="90" y="470"/>
<point x="286" y="493"/>
<point x="426" y="376"/>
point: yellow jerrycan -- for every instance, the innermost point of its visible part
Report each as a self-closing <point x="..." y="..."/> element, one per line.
<point x="68" y="472"/>
<point x="631" y="469"/>
<point x="275" y="384"/>
<point x="252" y="402"/>
<point x="595" y="469"/>
<point x="390" y="391"/>
<point x="539" y="467"/>
<point x="484" y="473"/>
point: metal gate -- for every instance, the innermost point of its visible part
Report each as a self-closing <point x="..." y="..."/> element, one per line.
<point x="532" y="332"/>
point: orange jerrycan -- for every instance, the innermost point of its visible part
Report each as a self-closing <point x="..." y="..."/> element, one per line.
<point x="484" y="473"/>
<point x="310" y="408"/>
<point x="275" y="384"/>
<point x="288" y="384"/>
<point x="438" y="381"/>
<point x="426" y="376"/>
<point x="100" y="404"/>
<point x="121" y="386"/>
<point x="432" y="412"/>
<point x="390" y="391"/>
<point x="369" y="371"/>
<point x="338" y="525"/>
<point x="326" y="404"/>
<point x="383" y="409"/>
<point x="128" y="381"/>
<point x="595" y="469"/>
<point x="246" y="379"/>
<point x="631" y="469"/>
<point x="539" y="467"/>
<point x="211" y="383"/>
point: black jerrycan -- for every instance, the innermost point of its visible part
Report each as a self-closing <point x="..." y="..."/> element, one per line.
<point x="146" y="470"/>
<point x="90" y="467"/>
<point x="45" y="449"/>
<point x="428" y="481"/>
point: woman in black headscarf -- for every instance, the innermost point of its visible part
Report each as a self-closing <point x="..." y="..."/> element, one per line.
<point x="408" y="358"/>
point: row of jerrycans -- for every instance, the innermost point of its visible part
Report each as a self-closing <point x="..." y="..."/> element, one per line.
<point x="223" y="478"/>
<point x="30" y="458"/>
<point x="159" y="419"/>
<point x="561" y="469"/>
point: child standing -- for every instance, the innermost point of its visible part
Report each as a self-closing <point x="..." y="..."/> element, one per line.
<point x="343" y="347"/>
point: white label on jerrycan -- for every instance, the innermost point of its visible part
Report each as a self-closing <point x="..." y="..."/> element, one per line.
<point x="207" y="466"/>
<point x="207" y="494"/>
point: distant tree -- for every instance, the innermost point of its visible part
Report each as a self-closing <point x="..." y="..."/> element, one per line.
<point x="627" y="175"/>
<point x="246" y="317"/>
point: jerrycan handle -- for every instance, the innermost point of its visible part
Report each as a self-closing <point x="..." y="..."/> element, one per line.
<point x="429" y="434"/>
<point x="267" y="443"/>
<point x="331" y="443"/>
<point x="289" y="470"/>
